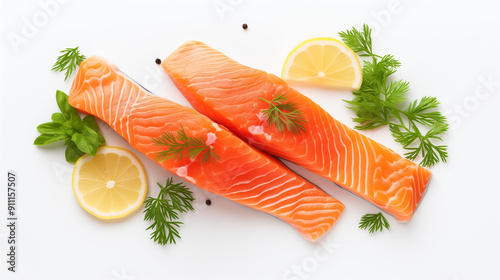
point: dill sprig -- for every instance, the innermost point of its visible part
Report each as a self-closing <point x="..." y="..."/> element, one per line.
<point x="381" y="101"/>
<point x="181" y="145"/>
<point x="68" y="61"/>
<point x="374" y="222"/>
<point x="164" y="211"/>
<point x="284" y="114"/>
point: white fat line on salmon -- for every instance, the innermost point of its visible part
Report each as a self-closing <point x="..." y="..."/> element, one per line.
<point x="397" y="198"/>
<point x="216" y="126"/>
<point x="234" y="172"/>
<point x="253" y="188"/>
<point x="130" y="113"/>
<point x="302" y="202"/>
<point x="281" y="194"/>
<point x="118" y="106"/>
<point x="341" y="133"/>
<point x="261" y="117"/>
<point x="245" y="182"/>
<point x="210" y="138"/>
<point x="183" y="172"/>
<point x="262" y="197"/>
<point x="259" y="130"/>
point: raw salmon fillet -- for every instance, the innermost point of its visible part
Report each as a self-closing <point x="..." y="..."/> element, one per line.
<point x="229" y="93"/>
<point x="243" y="173"/>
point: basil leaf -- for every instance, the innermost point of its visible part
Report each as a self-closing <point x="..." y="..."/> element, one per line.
<point x="87" y="141"/>
<point x="58" y="118"/>
<point x="72" y="152"/>
<point x="68" y="111"/>
<point x="91" y="122"/>
<point x="101" y="139"/>
<point x="50" y="128"/>
<point x="92" y="137"/>
<point x="69" y="127"/>
<point x="80" y="136"/>
<point x="45" y="139"/>
<point x="72" y="127"/>
<point x="70" y="131"/>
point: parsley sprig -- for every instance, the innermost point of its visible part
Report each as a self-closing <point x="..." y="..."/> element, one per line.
<point x="164" y="211"/>
<point x="284" y="114"/>
<point x="374" y="222"/>
<point x="181" y="145"/>
<point x="381" y="101"/>
<point x="68" y="61"/>
<point x="81" y="136"/>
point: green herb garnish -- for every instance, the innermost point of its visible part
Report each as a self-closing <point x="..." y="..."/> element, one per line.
<point x="284" y="114"/>
<point x="81" y="136"/>
<point x="68" y="61"/>
<point x="164" y="211"/>
<point x="182" y="145"/>
<point x="374" y="222"/>
<point x="380" y="101"/>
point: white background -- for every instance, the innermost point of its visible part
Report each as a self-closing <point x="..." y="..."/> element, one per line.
<point x="448" y="49"/>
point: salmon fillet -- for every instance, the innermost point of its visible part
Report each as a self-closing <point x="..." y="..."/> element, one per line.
<point x="229" y="93"/>
<point x="243" y="173"/>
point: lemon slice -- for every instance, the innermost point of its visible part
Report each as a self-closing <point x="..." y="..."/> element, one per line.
<point x="324" y="61"/>
<point x="111" y="184"/>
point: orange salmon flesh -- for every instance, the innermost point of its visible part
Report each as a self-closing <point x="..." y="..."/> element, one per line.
<point x="229" y="93"/>
<point x="243" y="173"/>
